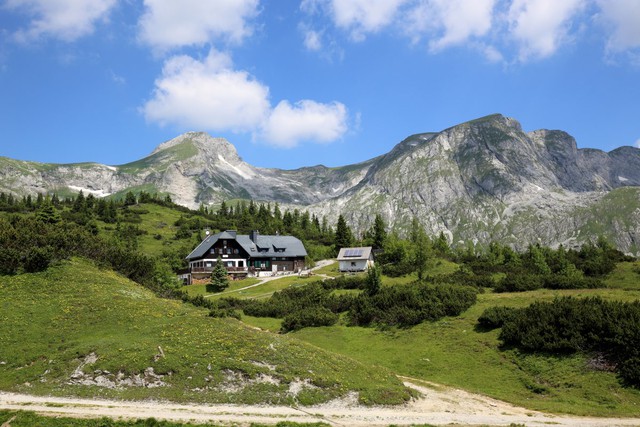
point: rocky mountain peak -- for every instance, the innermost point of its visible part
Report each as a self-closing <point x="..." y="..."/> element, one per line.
<point x="206" y="145"/>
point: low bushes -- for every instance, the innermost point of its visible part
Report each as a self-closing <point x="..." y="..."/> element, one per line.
<point x="403" y="305"/>
<point x="569" y="325"/>
<point x="411" y="304"/>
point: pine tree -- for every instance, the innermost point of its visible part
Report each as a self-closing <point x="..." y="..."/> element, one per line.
<point x="219" y="276"/>
<point x="129" y="199"/>
<point x="379" y="232"/>
<point x="344" y="236"/>
<point x="47" y="213"/>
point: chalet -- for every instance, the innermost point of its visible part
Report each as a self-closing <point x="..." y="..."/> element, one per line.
<point x="355" y="259"/>
<point x="245" y="255"/>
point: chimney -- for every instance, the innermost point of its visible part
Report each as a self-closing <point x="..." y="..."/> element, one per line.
<point x="254" y="236"/>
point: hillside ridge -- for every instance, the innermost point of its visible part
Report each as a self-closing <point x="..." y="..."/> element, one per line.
<point x="481" y="180"/>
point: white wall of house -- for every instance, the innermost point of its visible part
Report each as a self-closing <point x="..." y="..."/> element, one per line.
<point x="354" y="265"/>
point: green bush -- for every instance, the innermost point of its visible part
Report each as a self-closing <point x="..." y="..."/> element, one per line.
<point x="569" y="325"/>
<point x="514" y="282"/>
<point x="411" y="304"/>
<point x="556" y="281"/>
<point x="312" y="316"/>
<point x="494" y="317"/>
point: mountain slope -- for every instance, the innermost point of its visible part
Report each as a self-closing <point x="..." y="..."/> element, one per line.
<point x="79" y="330"/>
<point x="488" y="180"/>
<point x="481" y="180"/>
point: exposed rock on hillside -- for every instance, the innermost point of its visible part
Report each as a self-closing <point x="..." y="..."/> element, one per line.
<point x="480" y="180"/>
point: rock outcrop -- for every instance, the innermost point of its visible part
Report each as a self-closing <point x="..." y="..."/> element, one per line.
<point x="481" y="180"/>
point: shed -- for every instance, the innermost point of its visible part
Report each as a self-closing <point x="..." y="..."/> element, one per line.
<point x="355" y="259"/>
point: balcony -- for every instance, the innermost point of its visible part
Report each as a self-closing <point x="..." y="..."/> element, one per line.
<point x="208" y="270"/>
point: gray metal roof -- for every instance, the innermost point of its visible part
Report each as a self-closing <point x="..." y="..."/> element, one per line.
<point x="266" y="247"/>
<point x="365" y="251"/>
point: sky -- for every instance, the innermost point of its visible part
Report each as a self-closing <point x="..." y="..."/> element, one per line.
<point x="300" y="83"/>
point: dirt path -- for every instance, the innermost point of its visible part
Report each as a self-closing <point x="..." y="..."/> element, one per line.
<point x="437" y="406"/>
<point x="319" y="264"/>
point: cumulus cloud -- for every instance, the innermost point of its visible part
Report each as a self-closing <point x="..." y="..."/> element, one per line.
<point x="207" y="94"/>
<point x="306" y="120"/>
<point x="67" y="20"/>
<point x="623" y="18"/>
<point x="211" y="95"/>
<point x="541" y="26"/>
<point x="168" y="24"/>
<point x="637" y="144"/>
<point x="358" y="17"/>
<point x="451" y="22"/>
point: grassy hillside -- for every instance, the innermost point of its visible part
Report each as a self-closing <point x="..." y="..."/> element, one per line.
<point x="79" y="330"/>
<point x="455" y="352"/>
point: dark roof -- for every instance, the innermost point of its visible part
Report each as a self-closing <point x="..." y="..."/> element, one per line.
<point x="266" y="247"/>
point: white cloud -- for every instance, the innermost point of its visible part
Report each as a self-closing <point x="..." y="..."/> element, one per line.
<point x="211" y="95"/>
<point x="307" y="121"/>
<point x="67" y="20"/>
<point x="637" y="144"/>
<point x="623" y="17"/>
<point x="455" y="21"/>
<point x="207" y="94"/>
<point x="312" y="40"/>
<point x="168" y="24"/>
<point x="541" y="26"/>
<point x="358" y="17"/>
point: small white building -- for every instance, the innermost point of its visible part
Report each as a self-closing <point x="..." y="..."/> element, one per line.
<point x="355" y="259"/>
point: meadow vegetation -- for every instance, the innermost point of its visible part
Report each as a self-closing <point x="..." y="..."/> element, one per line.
<point x="549" y="329"/>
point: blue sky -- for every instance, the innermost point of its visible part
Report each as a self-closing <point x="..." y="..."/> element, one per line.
<point x="299" y="83"/>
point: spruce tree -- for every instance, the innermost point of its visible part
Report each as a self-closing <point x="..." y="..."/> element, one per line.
<point x="379" y="232"/>
<point x="344" y="237"/>
<point x="219" y="276"/>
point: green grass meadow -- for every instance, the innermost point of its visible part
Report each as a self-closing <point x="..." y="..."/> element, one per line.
<point x="51" y="321"/>
<point x="454" y="352"/>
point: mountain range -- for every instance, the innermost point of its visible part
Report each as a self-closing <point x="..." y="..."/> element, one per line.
<point x="478" y="181"/>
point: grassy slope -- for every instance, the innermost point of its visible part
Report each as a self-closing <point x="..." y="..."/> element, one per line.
<point x="51" y="321"/>
<point x="451" y="351"/>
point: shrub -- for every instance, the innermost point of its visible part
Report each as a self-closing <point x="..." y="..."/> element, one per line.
<point x="312" y="316"/>
<point x="37" y="259"/>
<point x="556" y="281"/>
<point x="519" y="283"/>
<point x="494" y="317"/>
<point x="568" y="325"/>
<point x="411" y="304"/>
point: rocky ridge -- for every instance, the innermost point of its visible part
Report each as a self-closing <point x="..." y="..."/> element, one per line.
<point x="482" y="180"/>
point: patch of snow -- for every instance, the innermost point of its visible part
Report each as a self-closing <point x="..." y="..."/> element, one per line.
<point x="111" y="168"/>
<point x="335" y="189"/>
<point x="622" y="179"/>
<point x="97" y="193"/>
<point x="236" y="169"/>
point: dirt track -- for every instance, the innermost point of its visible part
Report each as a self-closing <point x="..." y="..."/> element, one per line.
<point x="436" y="406"/>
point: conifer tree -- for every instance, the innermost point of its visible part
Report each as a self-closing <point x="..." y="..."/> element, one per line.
<point x="379" y="232"/>
<point x="344" y="236"/>
<point x="219" y="276"/>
